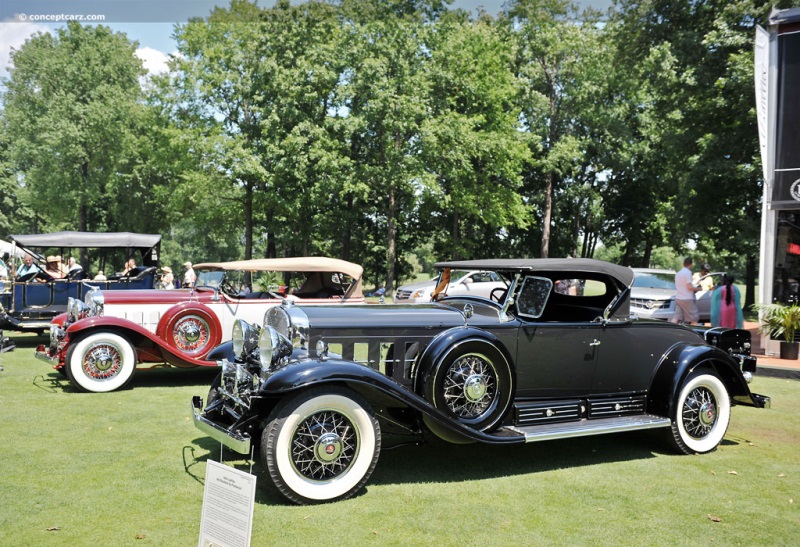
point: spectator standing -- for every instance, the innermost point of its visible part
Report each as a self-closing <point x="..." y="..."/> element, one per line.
<point x="726" y="305"/>
<point x="705" y="284"/>
<point x="685" y="306"/>
<point x="189" y="278"/>
<point x="100" y="276"/>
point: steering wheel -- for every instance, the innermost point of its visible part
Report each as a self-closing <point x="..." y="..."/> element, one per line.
<point x="501" y="294"/>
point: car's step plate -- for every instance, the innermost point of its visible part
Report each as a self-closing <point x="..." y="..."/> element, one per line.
<point x="585" y="428"/>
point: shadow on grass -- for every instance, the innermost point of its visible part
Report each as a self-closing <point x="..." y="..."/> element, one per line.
<point x="142" y="379"/>
<point x="437" y="461"/>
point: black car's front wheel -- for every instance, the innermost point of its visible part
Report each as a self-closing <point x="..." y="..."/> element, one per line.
<point x="701" y="415"/>
<point x="321" y="445"/>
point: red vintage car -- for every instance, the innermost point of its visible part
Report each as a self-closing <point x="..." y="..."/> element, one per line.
<point x="101" y="340"/>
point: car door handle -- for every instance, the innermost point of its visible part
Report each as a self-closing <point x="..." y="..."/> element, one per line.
<point x="594" y="342"/>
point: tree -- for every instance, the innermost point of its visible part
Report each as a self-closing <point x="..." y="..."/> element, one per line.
<point x="70" y="107"/>
<point x="553" y="52"/>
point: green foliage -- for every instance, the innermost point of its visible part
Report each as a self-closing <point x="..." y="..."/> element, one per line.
<point x="779" y="320"/>
<point x="369" y="130"/>
<point x="70" y="111"/>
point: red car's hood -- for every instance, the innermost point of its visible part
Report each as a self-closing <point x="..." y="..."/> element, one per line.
<point x="154" y="296"/>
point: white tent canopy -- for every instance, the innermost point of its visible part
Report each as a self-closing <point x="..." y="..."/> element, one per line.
<point x="6" y="247"/>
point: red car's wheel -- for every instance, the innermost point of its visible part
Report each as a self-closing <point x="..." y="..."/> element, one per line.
<point x="100" y="362"/>
<point x="193" y="330"/>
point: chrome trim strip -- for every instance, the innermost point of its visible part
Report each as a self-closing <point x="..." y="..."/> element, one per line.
<point x="232" y="440"/>
<point x="585" y="428"/>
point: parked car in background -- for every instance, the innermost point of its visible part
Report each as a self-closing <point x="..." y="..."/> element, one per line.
<point x="653" y="294"/>
<point x="468" y="283"/>
<point x="555" y="355"/>
<point x="100" y="342"/>
<point x="29" y="302"/>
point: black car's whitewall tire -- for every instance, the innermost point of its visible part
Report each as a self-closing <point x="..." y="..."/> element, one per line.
<point x="321" y="445"/>
<point x="100" y="362"/>
<point x="701" y="415"/>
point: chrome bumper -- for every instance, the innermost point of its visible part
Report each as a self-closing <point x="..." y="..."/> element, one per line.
<point x="762" y="401"/>
<point x="231" y="439"/>
<point x="41" y="352"/>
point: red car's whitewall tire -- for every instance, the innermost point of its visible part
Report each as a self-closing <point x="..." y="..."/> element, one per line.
<point x="100" y="362"/>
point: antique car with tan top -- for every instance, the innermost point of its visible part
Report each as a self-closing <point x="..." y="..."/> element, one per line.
<point x="554" y="354"/>
<point x="100" y="341"/>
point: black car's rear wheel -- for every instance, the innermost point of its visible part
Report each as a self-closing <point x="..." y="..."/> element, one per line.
<point x="472" y="383"/>
<point x="321" y="445"/>
<point x="701" y="415"/>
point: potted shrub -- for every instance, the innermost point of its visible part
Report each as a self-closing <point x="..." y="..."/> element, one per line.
<point x="781" y="322"/>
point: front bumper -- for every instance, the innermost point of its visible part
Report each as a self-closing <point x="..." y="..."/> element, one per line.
<point x="231" y="439"/>
<point x="43" y="354"/>
<point x="762" y="401"/>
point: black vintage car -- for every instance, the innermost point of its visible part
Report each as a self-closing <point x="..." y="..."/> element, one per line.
<point x="555" y="354"/>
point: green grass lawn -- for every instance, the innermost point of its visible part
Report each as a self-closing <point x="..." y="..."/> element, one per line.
<point x="127" y="468"/>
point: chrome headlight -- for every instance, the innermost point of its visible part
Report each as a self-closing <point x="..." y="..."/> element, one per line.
<point x="77" y="310"/>
<point x="272" y="347"/>
<point x="244" y="338"/>
<point x="289" y="321"/>
<point x="95" y="301"/>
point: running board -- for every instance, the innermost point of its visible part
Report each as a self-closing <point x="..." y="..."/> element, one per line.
<point x="584" y="428"/>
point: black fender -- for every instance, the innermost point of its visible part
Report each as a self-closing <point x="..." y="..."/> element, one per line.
<point x="441" y="344"/>
<point x="369" y="382"/>
<point x="222" y="351"/>
<point x="682" y="360"/>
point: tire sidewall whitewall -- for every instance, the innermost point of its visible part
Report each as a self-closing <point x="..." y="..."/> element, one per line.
<point x="720" y="427"/>
<point x="319" y="491"/>
<point x="85" y="345"/>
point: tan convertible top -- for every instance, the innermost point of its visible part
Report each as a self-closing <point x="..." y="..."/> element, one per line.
<point x="303" y="264"/>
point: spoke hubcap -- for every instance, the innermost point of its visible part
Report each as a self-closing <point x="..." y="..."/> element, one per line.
<point x="324" y="446"/>
<point x="329" y="448"/>
<point x="475" y="388"/>
<point x="102" y="361"/>
<point x="699" y="412"/>
<point x="191" y="334"/>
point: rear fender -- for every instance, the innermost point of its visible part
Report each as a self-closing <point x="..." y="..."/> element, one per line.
<point x="681" y="361"/>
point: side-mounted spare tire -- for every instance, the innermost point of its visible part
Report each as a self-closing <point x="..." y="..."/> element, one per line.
<point x="191" y="329"/>
<point x="472" y="383"/>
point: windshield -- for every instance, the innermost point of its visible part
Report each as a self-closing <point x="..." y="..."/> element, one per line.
<point x="654" y="280"/>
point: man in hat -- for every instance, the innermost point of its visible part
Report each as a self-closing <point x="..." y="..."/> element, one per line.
<point x="54" y="267"/>
<point x="189" y="278"/>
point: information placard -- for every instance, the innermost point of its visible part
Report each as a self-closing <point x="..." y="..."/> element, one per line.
<point x="228" y="503"/>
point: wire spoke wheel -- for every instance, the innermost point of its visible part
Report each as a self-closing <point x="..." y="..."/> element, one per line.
<point x="700" y="415"/>
<point x="470" y="386"/>
<point x="321" y="445"/>
<point x="324" y="445"/>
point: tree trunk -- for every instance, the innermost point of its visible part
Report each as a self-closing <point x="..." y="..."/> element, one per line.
<point x="548" y="213"/>
<point x="750" y="281"/>
<point x="391" y="222"/>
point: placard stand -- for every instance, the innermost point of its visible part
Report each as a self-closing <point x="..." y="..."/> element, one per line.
<point x="228" y="503"/>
